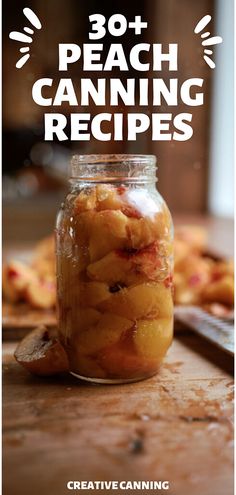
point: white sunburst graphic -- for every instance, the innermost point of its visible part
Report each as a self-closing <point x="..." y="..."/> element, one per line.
<point x="214" y="40"/>
<point x="25" y="38"/>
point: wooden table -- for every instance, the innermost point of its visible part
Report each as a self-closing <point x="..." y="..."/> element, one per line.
<point x="176" y="426"/>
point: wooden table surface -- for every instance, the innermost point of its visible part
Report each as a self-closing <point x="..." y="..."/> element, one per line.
<point x="176" y="426"/>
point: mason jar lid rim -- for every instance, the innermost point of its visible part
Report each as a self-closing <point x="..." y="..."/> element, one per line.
<point x="106" y="158"/>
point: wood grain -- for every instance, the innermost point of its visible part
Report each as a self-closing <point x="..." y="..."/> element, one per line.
<point x="175" y="426"/>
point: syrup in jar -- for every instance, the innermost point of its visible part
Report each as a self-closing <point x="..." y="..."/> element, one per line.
<point x="114" y="269"/>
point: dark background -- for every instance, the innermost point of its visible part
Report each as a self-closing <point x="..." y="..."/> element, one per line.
<point x="34" y="172"/>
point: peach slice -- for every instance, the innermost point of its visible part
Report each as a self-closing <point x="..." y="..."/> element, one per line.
<point x="195" y="270"/>
<point x="153" y="337"/>
<point x="107" y="331"/>
<point x="107" y="198"/>
<point x="16" y="277"/>
<point x="183" y="295"/>
<point x="115" y="269"/>
<point x="91" y="293"/>
<point x="142" y="301"/>
<point x="144" y="231"/>
<point x="110" y="269"/>
<point x="40" y="354"/>
<point x="41" y="294"/>
<point x="181" y="251"/>
<point x="107" y="232"/>
<point x="141" y="232"/>
<point x="130" y="266"/>
<point x="86" y="200"/>
<point x="190" y="277"/>
<point x="151" y="261"/>
<point x="221" y="291"/>
<point x="193" y="236"/>
<point x="221" y="268"/>
<point x="44" y="268"/>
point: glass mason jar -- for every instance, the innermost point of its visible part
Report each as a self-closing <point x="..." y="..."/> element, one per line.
<point x="114" y="269"/>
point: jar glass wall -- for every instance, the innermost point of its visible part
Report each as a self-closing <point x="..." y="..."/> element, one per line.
<point x="114" y="269"/>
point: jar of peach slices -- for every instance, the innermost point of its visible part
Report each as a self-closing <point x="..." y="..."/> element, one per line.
<point x="114" y="269"/>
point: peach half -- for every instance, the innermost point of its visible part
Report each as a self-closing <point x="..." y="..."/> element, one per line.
<point x="40" y="354"/>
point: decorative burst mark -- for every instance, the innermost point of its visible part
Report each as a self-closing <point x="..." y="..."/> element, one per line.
<point x="202" y="24"/>
<point x="28" y="30"/>
<point x="214" y="40"/>
<point x="18" y="36"/>
<point x="209" y="61"/>
<point x="204" y="35"/>
<point x="26" y="49"/>
<point x="32" y="17"/>
<point x="15" y="35"/>
<point x="22" y="61"/>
